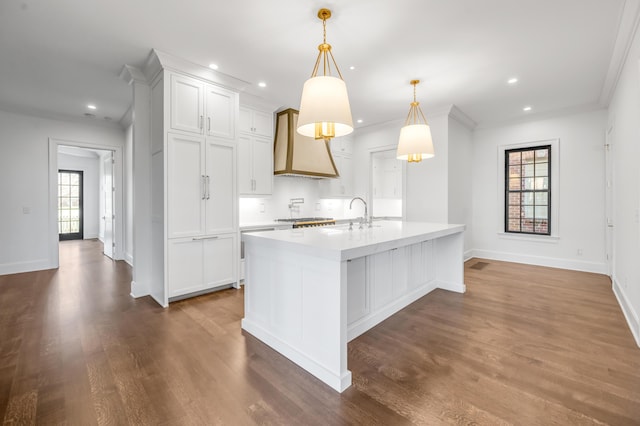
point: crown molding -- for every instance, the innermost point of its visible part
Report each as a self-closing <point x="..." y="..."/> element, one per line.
<point x="627" y="28"/>
<point x="462" y="118"/>
<point x="131" y="74"/>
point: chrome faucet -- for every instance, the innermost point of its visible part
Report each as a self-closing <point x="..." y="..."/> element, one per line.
<point x="365" y="209"/>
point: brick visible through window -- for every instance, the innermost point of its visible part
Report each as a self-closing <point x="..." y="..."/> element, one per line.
<point x="528" y="190"/>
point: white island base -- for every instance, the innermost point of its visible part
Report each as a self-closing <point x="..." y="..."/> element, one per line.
<point x="310" y="291"/>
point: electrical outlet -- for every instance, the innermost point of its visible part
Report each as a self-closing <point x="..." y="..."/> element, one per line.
<point x="317" y="207"/>
<point x="579" y="252"/>
<point x="261" y="207"/>
<point x="26" y="210"/>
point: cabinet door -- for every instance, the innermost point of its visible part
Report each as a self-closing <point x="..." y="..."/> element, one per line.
<point x="185" y="273"/>
<point x="220" y="180"/>
<point x="245" y="173"/>
<point x="380" y="279"/>
<point x="187" y="104"/>
<point x="262" y="157"/>
<point x="245" y="120"/>
<point x="400" y="266"/>
<point x="346" y="176"/>
<point x="263" y="123"/>
<point x="221" y="107"/>
<point x="342" y="186"/>
<point x="219" y="260"/>
<point x="185" y="185"/>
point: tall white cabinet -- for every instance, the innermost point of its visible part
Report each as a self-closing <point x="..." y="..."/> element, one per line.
<point x="194" y="184"/>
<point x="255" y="152"/>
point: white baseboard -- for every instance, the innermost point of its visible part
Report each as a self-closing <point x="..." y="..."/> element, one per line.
<point x="129" y="259"/>
<point x="552" y="262"/>
<point x="89" y="236"/>
<point x="28" y="266"/>
<point x="627" y="309"/>
<point x="468" y="255"/>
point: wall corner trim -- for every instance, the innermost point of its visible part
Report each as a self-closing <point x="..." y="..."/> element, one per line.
<point x="627" y="27"/>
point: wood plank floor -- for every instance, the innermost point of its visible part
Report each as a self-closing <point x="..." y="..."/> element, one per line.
<point x="525" y="345"/>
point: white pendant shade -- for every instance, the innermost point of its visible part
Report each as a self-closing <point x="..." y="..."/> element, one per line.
<point x="415" y="140"/>
<point x="324" y="100"/>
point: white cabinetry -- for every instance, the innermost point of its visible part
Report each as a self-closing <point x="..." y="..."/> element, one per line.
<point x="255" y="121"/>
<point x="201" y="108"/>
<point x="200" y="263"/>
<point x="342" y="187"/>
<point x="194" y="179"/>
<point x="387" y="178"/>
<point x="379" y="280"/>
<point x="255" y="152"/>
<point x="200" y="186"/>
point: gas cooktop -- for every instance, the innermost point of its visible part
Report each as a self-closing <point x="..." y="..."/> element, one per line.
<point x="306" y="219"/>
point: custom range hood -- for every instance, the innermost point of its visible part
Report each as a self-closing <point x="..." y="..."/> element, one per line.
<point x="297" y="155"/>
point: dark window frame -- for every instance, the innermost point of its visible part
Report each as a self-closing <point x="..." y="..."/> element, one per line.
<point x="80" y="234"/>
<point x="521" y="191"/>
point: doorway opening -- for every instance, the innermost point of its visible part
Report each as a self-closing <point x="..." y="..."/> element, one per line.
<point x="86" y="188"/>
<point x="70" y="205"/>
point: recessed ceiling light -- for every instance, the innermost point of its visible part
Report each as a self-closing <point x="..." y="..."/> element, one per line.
<point x="512" y="80"/>
<point x="262" y="84"/>
<point x="213" y="66"/>
<point x="527" y="108"/>
<point x="352" y="67"/>
<point x="91" y="106"/>
<point x="359" y="120"/>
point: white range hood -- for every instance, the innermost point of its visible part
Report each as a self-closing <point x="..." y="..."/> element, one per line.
<point x="297" y="155"/>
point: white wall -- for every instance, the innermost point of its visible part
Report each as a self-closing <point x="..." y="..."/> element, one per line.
<point x="581" y="193"/>
<point x="427" y="194"/>
<point x="90" y="189"/>
<point x="276" y="206"/>
<point x="624" y="118"/>
<point x="24" y="184"/>
<point x="460" y="152"/>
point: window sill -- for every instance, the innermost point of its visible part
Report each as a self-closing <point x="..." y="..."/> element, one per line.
<point x="551" y="239"/>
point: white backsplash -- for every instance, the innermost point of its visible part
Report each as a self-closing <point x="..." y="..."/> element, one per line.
<point x="276" y="206"/>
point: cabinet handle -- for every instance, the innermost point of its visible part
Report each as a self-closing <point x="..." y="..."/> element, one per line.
<point x="201" y="120"/>
<point x="202" y="189"/>
<point x="208" y="188"/>
<point x="204" y="238"/>
<point x="208" y="124"/>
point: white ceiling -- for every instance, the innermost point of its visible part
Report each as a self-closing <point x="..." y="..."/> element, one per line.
<point x="58" y="56"/>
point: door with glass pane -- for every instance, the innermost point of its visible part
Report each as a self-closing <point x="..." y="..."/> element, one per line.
<point x="70" y="205"/>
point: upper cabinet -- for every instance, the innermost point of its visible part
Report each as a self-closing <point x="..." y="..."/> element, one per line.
<point x="342" y="187"/>
<point x="255" y="152"/>
<point x="256" y="122"/>
<point x="201" y="108"/>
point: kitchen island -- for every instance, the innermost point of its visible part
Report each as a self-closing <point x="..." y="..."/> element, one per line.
<point x="310" y="291"/>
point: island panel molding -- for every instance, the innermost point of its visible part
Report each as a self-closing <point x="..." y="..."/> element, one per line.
<point x="310" y="291"/>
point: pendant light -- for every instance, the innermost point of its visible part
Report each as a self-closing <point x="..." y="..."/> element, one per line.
<point x="415" y="143"/>
<point x="324" y="106"/>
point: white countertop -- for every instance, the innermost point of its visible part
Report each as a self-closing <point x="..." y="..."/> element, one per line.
<point x="338" y="243"/>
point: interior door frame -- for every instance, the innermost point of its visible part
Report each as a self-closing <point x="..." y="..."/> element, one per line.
<point x="118" y="198"/>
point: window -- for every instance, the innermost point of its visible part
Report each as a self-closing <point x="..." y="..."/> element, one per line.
<point x="528" y="190"/>
<point x="70" y="205"/>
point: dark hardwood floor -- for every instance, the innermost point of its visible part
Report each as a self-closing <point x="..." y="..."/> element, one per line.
<point x="525" y="345"/>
